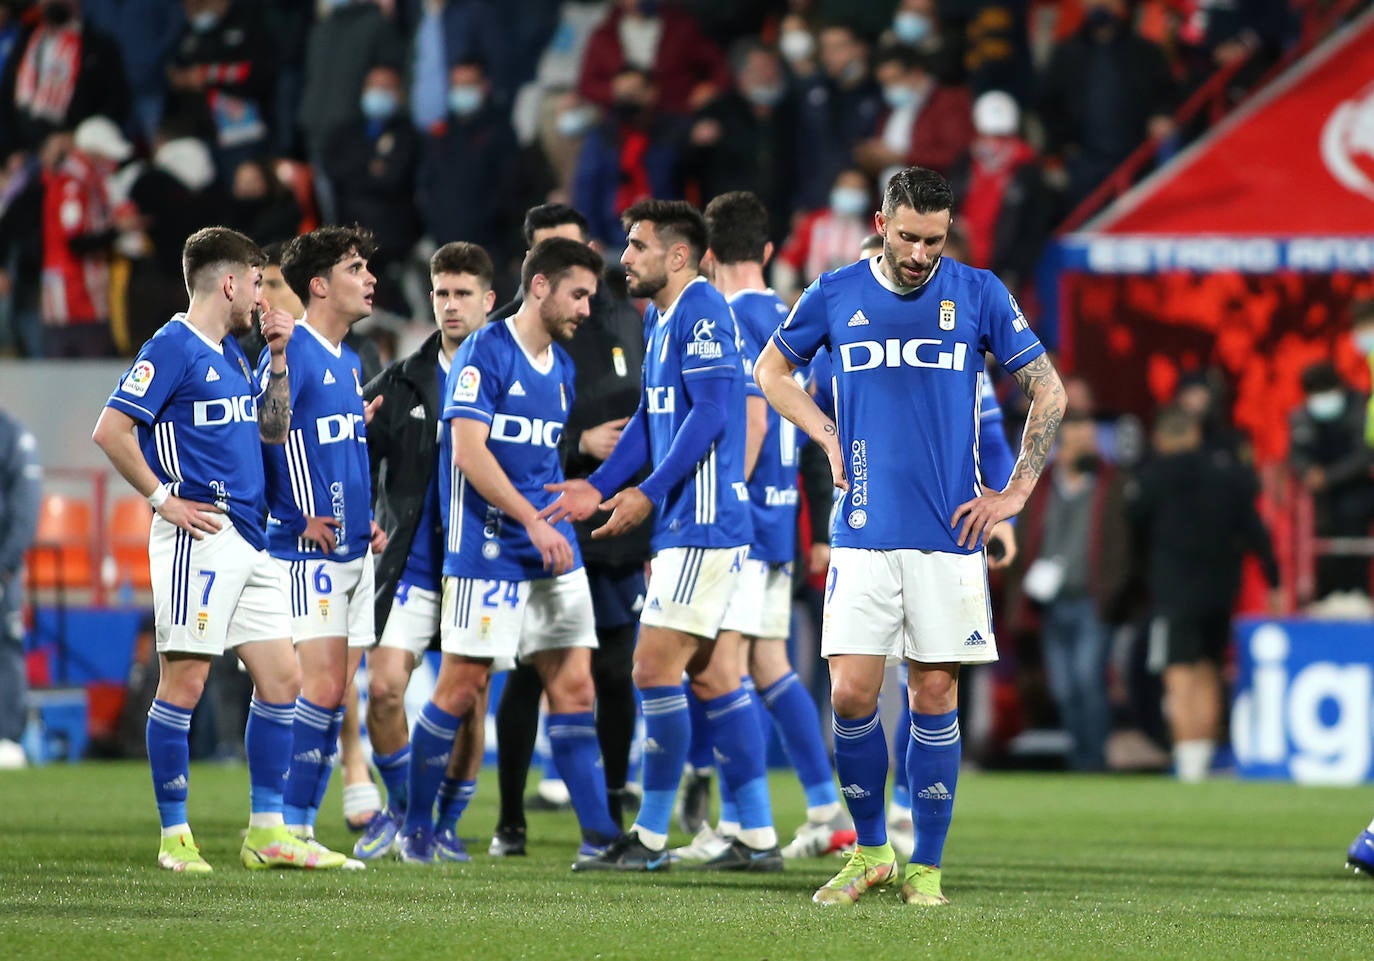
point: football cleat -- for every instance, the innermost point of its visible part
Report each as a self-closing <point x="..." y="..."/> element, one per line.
<point x="507" y="843"/>
<point x="867" y="868"/>
<point x="448" y="846"/>
<point x="417" y="847"/>
<point x="625" y="853"/>
<point x="180" y="853"/>
<point x="379" y="835"/>
<point x="694" y="801"/>
<point x="921" y="885"/>
<point x="276" y="847"/>
<point x="1360" y="857"/>
<point x="739" y="856"/>
<point x="707" y="844"/>
<point x="816" y="839"/>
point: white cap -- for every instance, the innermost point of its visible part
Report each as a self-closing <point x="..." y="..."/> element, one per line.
<point x="995" y="114"/>
<point x="100" y="136"/>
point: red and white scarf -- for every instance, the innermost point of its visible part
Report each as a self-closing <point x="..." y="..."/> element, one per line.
<point x="47" y="73"/>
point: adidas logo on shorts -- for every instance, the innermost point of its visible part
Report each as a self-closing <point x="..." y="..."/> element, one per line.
<point x="975" y="640"/>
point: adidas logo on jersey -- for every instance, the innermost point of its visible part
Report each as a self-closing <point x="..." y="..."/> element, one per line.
<point x="211" y="375"/>
<point x="936" y="792"/>
<point x="328" y="377"/>
<point x="853" y="791"/>
<point x="858" y="320"/>
<point x="975" y="640"/>
<point x="516" y="390"/>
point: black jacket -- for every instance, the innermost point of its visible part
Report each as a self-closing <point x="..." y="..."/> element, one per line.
<point x="402" y="449"/>
<point x="605" y="388"/>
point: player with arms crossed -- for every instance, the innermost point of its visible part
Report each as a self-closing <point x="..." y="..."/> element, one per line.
<point x="403" y="446"/>
<point x="906" y="332"/>
<point x="690" y="426"/>
<point x="184" y="428"/>
<point x="320" y="529"/>
<point x="513" y="583"/>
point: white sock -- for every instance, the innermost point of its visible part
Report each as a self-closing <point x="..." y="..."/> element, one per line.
<point x="728" y="829"/>
<point x="265" y="819"/>
<point x="301" y="830"/>
<point x="1192" y="760"/>
<point x="650" y="839"/>
<point x="822" y="813"/>
<point x="360" y="799"/>
<point x="176" y="829"/>
<point x="760" y="839"/>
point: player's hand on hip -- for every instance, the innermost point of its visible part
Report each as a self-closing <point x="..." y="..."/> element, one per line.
<point x="1003" y="533"/>
<point x="379" y="538"/>
<point x="276" y="326"/>
<point x="628" y="510"/>
<point x="819" y="561"/>
<point x="600" y="440"/>
<point x="577" y="501"/>
<point x="976" y="518"/>
<point x="194" y="517"/>
<point x="553" y="547"/>
<point x="321" y="531"/>
<point x="835" y="455"/>
<point x="370" y="409"/>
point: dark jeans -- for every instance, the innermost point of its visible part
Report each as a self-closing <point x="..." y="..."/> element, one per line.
<point x="1075" y="647"/>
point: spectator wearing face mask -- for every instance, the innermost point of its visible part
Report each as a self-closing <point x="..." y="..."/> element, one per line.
<point x="925" y="124"/>
<point x="916" y="25"/>
<point x="797" y="45"/>
<point x="464" y="186"/>
<point x="827" y="238"/>
<point x="372" y="164"/>
<point x="837" y="107"/>
<point x="1331" y="460"/>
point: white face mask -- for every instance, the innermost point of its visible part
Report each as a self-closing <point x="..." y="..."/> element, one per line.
<point x="1364" y="342"/>
<point x="849" y="201"/>
<point x="797" y="44"/>
<point x="1326" y="406"/>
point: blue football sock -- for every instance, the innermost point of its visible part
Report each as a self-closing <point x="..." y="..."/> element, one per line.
<point x="577" y="754"/>
<point x="311" y="753"/>
<point x="739" y="755"/>
<point x="699" y="753"/>
<point x="331" y="738"/>
<point x="267" y="740"/>
<point x="666" y="731"/>
<point x="861" y="762"/>
<point x="395" y="771"/>
<point x="901" y="790"/>
<point x="453" y="799"/>
<point x="798" y="724"/>
<point x="932" y="763"/>
<point x="169" y="756"/>
<point x="431" y="744"/>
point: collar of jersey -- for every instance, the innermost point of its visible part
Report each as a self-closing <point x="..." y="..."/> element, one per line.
<point x="324" y="341"/>
<point x="882" y="278"/>
<point x="444" y="362"/>
<point x="541" y="368"/>
<point x="765" y="292"/>
<point x="217" y="348"/>
<point x="662" y="317"/>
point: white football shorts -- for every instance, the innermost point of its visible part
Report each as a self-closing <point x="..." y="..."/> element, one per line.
<point x="214" y="593"/>
<point x="332" y="598"/>
<point x="761" y="606"/>
<point x="691" y="587"/>
<point x="413" y="621"/>
<point x="506" y="620"/>
<point x="926" y="606"/>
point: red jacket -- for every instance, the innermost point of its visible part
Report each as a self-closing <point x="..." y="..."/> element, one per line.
<point x="684" y="59"/>
<point x="943" y="129"/>
<point x="76" y="208"/>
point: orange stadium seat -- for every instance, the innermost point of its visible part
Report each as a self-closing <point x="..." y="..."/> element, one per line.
<point x="130" y="518"/>
<point x="61" y="554"/>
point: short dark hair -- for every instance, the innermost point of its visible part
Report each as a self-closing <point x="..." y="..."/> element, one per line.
<point x="1362" y="311"/>
<point x="314" y="254"/>
<point x="272" y="253"/>
<point x="1319" y="377"/>
<point x="924" y="191"/>
<point x="217" y="247"/>
<point x="461" y="257"/>
<point x="737" y="227"/>
<point x="555" y="256"/>
<point x="872" y="240"/>
<point x="552" y="215"/>
<point x="903" y="56"/>
<point x="676" y="220"/>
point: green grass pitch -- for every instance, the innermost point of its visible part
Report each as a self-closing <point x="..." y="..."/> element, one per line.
<point x="1038" y="866"/>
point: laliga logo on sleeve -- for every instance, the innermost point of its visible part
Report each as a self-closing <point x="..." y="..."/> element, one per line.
<point x="138" y="380"/>
<point x="704" y="344"/>
<point x="469" y="379"/>
<point x="1347" y="143"/>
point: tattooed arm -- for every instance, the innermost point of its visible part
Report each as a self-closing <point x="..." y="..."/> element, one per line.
<point x="274" y="405"/>
<point x="1042" y="385"/>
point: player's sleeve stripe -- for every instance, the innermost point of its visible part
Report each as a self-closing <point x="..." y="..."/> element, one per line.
<point x="455" y="511"/>
<point x="168" y="457"/>
<point x="1007" y="364"/>
<point x="469" y="413"/>
<point x="788" y="352"/>
<point x="140" y="414"/>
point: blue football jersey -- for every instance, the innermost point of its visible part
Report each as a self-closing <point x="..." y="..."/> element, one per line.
<point x="908" y="367"/>
<point x="195" y="402"/>
<point x="495" y="381"/>
<point x="322" y="469"/>
<point x="696" y="336"/>
<point x="425" y="562"/>
<point x="773" y="485"/>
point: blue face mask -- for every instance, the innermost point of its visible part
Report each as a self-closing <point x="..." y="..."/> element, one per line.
<point x="574" y="122"/>
<point x="764" y="96"/>
<point x="379" y="104"/>
<point x="910" y="27"/>
<point x="465" y="99"/>
<point x="204" y="22"/>
<point x="849" y="201"/>
<point x="899" y="97"/>
<point x="1327" y="405"/>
